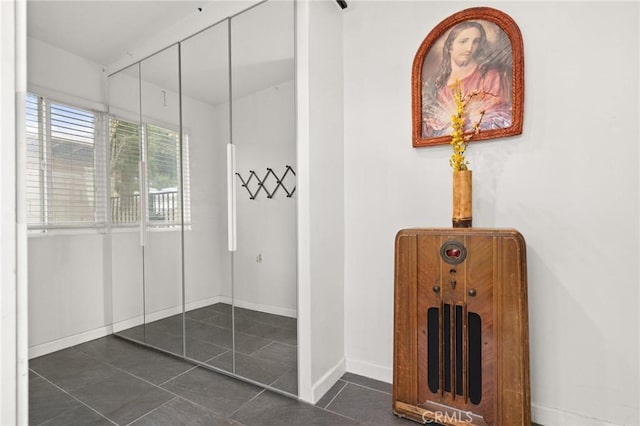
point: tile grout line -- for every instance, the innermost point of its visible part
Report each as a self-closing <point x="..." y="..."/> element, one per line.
<point x="335" y="396"/>
<point x="367" y="387"/>
<point x="246" y="403"/>
<point x="149" y="412"/>
<point x="71" y="396"/>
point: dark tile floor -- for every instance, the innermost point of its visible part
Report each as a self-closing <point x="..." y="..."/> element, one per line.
<point x="113" y="381"/>
<point x="265" y="344"/>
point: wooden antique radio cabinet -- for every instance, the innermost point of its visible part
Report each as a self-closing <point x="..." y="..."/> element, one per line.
<point x="461" y="345"/>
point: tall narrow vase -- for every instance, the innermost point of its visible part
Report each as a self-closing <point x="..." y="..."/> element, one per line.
<point x="462" y="199"/>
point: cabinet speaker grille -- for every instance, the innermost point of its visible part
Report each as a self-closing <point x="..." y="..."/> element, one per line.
<point x="454" y="352"/>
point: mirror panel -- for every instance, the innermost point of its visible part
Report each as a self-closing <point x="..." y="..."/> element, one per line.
<point x="127" y="269"/>
<point x="176" y="285"/>
<point x="163" y="200"/>
<point x="263" y="132"/>
<point x="206" y="129"/>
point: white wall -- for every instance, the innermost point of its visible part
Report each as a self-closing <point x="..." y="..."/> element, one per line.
<point x="569" y="183"/>
<point x="321" y="198"/>
<point x="264" y="262"/>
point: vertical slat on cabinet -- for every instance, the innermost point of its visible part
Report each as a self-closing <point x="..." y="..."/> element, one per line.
<point x="405" y="339"/>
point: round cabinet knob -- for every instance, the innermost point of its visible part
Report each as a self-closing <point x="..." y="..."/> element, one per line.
<point x="472" y="292"/>
<point x="436" y="289"/>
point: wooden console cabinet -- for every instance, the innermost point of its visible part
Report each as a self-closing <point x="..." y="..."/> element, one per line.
<point x="461" y="343"/>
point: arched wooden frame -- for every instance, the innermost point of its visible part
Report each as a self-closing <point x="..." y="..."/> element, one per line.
<point x="503" y="28"/>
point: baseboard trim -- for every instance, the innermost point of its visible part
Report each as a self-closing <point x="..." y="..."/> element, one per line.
<point x="269" y="309"/>
<point x="66" y="342"/>
<point x="367" y="369"/>
<point x="322" y="385"/>
<point x="547" y="416"/>
<point x="86" y="336"/>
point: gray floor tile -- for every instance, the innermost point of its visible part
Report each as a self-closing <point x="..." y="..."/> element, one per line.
<point x="225" y="308"/>
<point x="280" y="352"/>
<point x="221" y="320"/>
<point x="122" y="397"/>
<point x="172" y="325"/>
<point x="212" y="390"/>
<point x="156" y="337"/>
<point x="248" y="344"/>
<point x="263" y="317"/>
<point x="331" y="393"/>
<point x="218" y="336"/>
<point x="202" y="314"/>
<point x="179" y="412"/>
<point x="367" y="406"/>
<point x="288" y="382"/>
<point x="47" y="401"/>
<point x="71" y="368"/>
<point x="260" y="370"/>
<point x="270" y="409"/>
<point x="203" y="351"/>
<point x="367" y="382"/>
<point x="153" y="366"/>
<point x="288" y="336"/>
<point x="80" y="416"/>
<point x="109" y="349"/>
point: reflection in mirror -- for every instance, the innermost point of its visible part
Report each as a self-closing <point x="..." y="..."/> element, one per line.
<point x="147" y="197"/>
<point x="162" y="185"/>
<point x="176" y="285"/>
<point x="124" y="183"/>
<point x="263" y="132"/>
<point x="205" y="115"/>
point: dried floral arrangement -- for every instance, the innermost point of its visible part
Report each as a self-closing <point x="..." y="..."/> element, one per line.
<point x="460" y="140"/>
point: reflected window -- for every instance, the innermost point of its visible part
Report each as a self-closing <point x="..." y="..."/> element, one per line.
<point x="128" y="143"/>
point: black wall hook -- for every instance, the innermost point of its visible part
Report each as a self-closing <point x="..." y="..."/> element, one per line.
<point x="261" y="182"/>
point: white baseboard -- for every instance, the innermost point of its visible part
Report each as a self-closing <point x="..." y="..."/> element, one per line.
<point x="320" y="387"/>
<point x="86" y="336"/>
<point x="541" y="415"/>
<point x="65" y="342"/>
<point x="367" y="369"/>
<point x="547" y="416"/>
<point x="269" y="309"/>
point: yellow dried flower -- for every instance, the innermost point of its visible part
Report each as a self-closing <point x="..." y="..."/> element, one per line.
<point x="459" y="140"/>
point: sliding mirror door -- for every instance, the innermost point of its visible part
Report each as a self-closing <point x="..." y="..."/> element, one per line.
<point x="203" y="198"/>
<point x="263" y="133"/>
<point x="165" y="202"/>
<point x="125" y="154"/>
<point x="206" y="130"/>
<point x="148" y="201"/>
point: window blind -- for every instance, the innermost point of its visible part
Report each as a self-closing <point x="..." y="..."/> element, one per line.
<point x="64" y="173"/>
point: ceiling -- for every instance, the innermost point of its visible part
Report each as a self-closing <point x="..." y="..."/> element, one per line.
<point x="104" y="31"/>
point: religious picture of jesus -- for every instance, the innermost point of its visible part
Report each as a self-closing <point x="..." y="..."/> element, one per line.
<point x="478" y="54"/>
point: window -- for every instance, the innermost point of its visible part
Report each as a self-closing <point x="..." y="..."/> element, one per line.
<point x="67" y="169"/>
<point x="160" y="147"/>
<point x="64" y="160"/>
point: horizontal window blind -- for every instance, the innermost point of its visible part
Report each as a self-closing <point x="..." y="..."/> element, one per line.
<point x="67" y="170"/>
<point x="63" y="172"/>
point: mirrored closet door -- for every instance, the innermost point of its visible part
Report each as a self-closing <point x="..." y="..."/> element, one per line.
<point x="263" y="132"/>
<point x="203" y="198"/>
